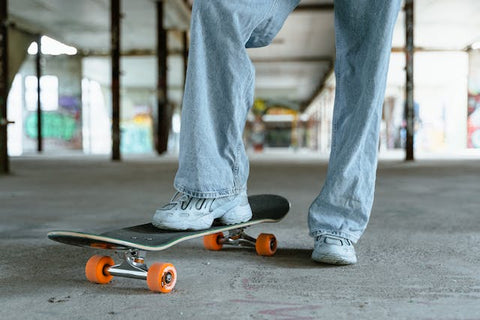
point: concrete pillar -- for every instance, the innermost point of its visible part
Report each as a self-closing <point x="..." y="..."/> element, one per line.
<point x="4" y="161"/>
<point x="163" y="125"/>
<point x="409" y="86"/>
<point x="115" y="55"/>
<point x="38" y="67"/>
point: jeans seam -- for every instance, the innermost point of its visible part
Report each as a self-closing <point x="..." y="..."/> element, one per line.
<point x="237" y="152"/>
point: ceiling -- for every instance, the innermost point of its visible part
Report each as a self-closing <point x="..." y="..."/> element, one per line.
<point x="85" y="24"/>
<point x="291" y="68"/>
<point x="302" y="53"/>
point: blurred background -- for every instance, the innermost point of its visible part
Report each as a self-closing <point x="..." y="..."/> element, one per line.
<point x="90" y="81"/>
<point x="295" y="85"/>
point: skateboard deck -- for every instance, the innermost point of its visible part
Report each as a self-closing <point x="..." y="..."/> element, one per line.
<point x="135" y="241"/>
<point x="265" y="208"/>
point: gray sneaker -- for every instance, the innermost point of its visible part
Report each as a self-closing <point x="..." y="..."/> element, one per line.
<point x="189" y="213"/>
<point x="334" y="250"/>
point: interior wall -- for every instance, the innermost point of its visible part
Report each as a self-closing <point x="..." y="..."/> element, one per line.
<point x="440" y="105"/>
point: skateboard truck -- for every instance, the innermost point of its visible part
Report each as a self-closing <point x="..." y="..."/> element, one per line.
<point x="238" y="237"/>
<point x="265" y="244"/>
<point x="132" y="266"/>
<point x="160" y="277"/>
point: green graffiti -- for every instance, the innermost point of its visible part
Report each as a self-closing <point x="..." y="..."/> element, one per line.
<point x="54" y="125"/>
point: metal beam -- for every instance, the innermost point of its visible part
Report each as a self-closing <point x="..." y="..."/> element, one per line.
<point x="184" y="55"/>
<point x="428" y="49"/>
<point x="129" y="53"/>
<point x="311" y="59"/>
<point x="409" y="86"/>
<point x="163" y="124"/>
<point x="115" y="54"/>
<point x="38" y="69"/>
<point x="320" y="88"/>
<point x="315" y="7"/>
<point x="4" y="161"/>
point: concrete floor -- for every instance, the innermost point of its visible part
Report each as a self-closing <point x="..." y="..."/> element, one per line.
<point x="419" y="258"/>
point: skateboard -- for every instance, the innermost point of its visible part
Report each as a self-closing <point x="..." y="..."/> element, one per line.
<point x="133" y="243"/>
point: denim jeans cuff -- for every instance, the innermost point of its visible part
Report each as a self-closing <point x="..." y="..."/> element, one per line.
<point x="209" y="194"/>
<point x="346" y="235"/>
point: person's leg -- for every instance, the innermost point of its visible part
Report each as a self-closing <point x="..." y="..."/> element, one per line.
<point x="218" y="94"/>
<point x="363" y="30"/>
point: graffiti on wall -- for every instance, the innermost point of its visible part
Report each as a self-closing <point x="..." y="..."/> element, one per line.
<point x="54" y="126"/>
<point x="137" y="135"/>
<point x="62" y="125"/>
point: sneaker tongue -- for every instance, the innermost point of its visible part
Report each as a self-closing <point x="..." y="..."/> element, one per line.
<point x="337" y="242"/>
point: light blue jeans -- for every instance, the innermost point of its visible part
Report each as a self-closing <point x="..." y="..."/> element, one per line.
<point x="219" y="92"/>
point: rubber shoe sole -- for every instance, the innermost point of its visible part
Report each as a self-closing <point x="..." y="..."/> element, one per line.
<point x="334" y="250"/>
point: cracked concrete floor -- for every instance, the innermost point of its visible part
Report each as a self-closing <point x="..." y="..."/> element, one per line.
<point x="419" y="258"/>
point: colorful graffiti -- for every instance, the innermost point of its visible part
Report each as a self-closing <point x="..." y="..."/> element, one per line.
<point x="137" y="135"/>
<point x="54" y="125"/>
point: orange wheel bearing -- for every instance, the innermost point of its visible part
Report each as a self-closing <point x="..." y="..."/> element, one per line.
<point x="96" y="269"/>
<point x="161" y="277"/>
<point x="211" y="241"/>
<point x="266" y="244"/>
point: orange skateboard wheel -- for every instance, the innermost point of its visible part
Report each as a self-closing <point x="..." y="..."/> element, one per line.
<point x="211" y="241"/>
<point x="161" y="277"/>
<point x="96" y="269"/>
<point x="266" y="244"/>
